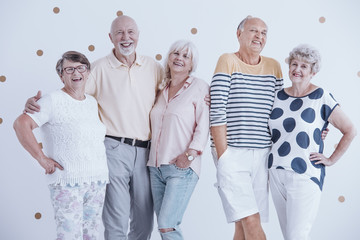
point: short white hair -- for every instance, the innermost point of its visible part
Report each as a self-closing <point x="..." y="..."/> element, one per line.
<point x="306" y="53"/>
<point x="179" y="46"/>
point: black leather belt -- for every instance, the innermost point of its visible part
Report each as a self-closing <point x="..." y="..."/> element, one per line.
<point x="131" y="142"/>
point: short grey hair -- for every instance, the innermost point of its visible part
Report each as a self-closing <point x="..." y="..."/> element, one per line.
<point x="179" y="46"/>
<point x="306" y="53"/>
<point x="242" y="23"/>
<point x="71" y="56"/>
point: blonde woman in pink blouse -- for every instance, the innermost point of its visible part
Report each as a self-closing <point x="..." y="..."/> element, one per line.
<point x="180" y="130"/>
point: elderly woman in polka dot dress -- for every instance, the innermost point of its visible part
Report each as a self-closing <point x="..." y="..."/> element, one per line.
<point x="296" y="161"/>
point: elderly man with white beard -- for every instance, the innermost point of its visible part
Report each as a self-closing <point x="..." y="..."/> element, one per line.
<point x="125" y="85"/>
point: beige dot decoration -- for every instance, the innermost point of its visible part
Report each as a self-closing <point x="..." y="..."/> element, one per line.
<point x="322" y="19"/>
<point x="194" y="31"/>
<point x="91" y="48"/>
<point x="37" y="215"/>
<point x="2" y="78"/>
<point x="341" y="199"/>
<point x="39" y="52"/>
<point x="158" y="57"/>
<point x="1" y="120"/>
<point x="358" y="73"/>
<point x="119" y="13"/>
<point x="41" y="146"/>
<point x="56" y="10"/>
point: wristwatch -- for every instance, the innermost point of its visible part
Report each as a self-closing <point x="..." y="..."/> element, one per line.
<point x="189" y="157"/>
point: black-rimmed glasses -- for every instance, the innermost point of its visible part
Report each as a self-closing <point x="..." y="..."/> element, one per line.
<point x="71" y="70"/>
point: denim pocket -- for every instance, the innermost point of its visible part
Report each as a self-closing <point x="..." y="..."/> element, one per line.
<point x="181" y="169"/>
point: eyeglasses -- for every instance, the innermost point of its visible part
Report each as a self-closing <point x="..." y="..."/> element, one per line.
<point x="71" y="70"/>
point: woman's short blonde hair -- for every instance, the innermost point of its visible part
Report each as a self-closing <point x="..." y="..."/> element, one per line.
<point x="307" y="54"/>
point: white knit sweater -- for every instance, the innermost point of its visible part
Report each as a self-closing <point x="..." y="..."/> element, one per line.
<point x="73" y="135"/>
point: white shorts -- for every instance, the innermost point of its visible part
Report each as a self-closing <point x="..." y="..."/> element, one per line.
<point x="296" y="198"/>
<point x="242" y="182"/>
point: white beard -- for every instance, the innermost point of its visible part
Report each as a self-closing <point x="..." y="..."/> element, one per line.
<point x="126" y="51"/>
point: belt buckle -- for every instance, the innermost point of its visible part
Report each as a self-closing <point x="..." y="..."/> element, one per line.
<point x="133" y="142"/>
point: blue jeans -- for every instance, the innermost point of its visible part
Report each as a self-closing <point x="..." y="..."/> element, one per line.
<point x="171" y="190"/>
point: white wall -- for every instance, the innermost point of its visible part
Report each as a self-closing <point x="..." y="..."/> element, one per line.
<point x="29" y="25"/>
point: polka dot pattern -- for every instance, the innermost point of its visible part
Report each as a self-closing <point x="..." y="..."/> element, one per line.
<point x="119" y="13"/>
<point x="322" y="19"/>
<point x="295" y="125"/>
<point x="284" y="149"/>
<point x="317" y="136"/>
<point x="296" y="104"/>
<point x="308" y="115"/>
<point x="1" y="120"/>
<point x="39" y="52"/>
<point x="358" y="73"/>
<point x="275" y="135"/>
<point x="276" y="113"/>
<point x="37" y="215"/>
<point x="194" y="31"/>
<point x="341" y="199"/>
<point x="317" y="94"/>
<point x="91" y="48"/>
<point x="303" y="140"/>
<point x="298" y="165"/>
<point x="158" y="57"/>
<point x="56" y="10"/>
<point x="325" y="112"/>
<point x="289" y="124"/>
<point x="2" y="78"/>
<point x="282" y="95"/>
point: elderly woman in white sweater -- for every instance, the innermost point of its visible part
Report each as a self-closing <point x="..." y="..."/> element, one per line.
<point x="74" y="158"/>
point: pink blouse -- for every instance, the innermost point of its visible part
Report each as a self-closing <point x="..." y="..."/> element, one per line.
<point x="180" y="123"/>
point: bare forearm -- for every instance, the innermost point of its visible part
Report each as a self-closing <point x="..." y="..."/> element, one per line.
<point x="23" y="128"/>
<point x="219" y="135"/>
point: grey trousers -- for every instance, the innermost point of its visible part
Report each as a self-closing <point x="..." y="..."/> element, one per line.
<point x="128" y="195"/>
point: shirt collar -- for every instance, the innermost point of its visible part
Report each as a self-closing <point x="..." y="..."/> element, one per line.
<point x="115" y="63"/>
<point x="187" y="83"/>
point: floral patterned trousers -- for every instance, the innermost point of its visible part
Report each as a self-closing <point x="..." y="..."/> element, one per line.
<point x="78" y="210"/>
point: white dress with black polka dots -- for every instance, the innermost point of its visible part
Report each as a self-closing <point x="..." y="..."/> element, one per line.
<point x="296" y="124"/>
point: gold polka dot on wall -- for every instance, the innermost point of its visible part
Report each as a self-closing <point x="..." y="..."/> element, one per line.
<point x="119" y="13"/>
<point x="341" y="199"/>
<point x="2" y="78"/>
<point x="194" y="31"/>
<point x="322" y="19"/>
<point x="56" y="10"/>
<point x="358" y="74"/>
<point x="37" y="215"/>
<point x="91" y="48"/>
<point x="158" y="57"/>
<point x="1" y="120"/>
<point x="39" y="52"/>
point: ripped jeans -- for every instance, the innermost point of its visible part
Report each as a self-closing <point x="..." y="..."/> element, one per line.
<point x="171" y="189"/>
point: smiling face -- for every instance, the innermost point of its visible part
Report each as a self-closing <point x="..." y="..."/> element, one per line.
<point x="124" y="35"/>
<point x="75" y="81"/>
<point x="253" y="37"/>
<point x="180" y="61"/>
<point x="300" y="72"/>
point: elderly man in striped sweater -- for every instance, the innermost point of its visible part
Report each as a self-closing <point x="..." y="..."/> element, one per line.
<point x="242" y="95"/>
